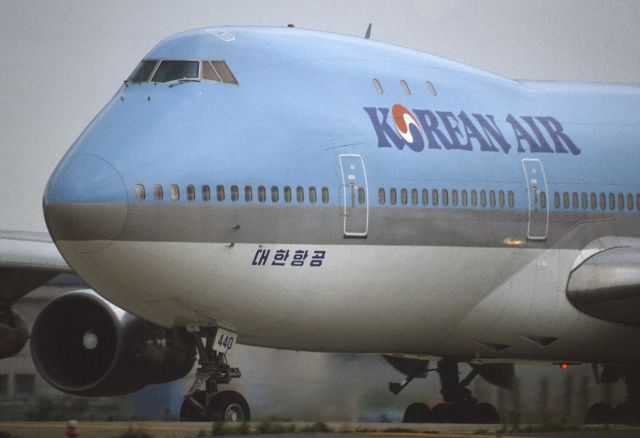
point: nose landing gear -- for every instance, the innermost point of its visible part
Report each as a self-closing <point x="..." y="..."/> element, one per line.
<point x="210" y="404"/>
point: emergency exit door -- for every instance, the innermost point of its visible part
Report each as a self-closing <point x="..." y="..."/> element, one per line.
<point x="355" y="196"/>
<point x="537" y="193"/>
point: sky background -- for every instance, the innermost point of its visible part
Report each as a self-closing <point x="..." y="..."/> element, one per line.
<point x="62" y="61"/>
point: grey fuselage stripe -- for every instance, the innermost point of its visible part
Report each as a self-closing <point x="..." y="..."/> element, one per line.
<point x="225" y="223"/>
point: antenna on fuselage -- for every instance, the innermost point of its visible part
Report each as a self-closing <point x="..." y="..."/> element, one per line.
<point x="367" y="34"/>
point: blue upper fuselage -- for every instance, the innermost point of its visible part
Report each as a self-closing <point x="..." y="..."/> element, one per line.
<point x="305" y="97"/>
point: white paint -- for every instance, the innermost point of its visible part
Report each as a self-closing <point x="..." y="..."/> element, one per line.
<point x="405" y="299"/>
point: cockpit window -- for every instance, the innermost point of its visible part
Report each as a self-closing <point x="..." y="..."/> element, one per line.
<point x="209" y="73"/>
<point x="223" y="71"/>
<point x="176" y="70"/>
<point x="142" y="71"/>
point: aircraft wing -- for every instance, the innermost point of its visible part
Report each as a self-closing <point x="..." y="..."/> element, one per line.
<point x="27" y="260"/>
<point x="605" y="283"/>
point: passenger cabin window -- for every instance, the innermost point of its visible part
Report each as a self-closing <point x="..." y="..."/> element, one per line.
<point x="620" y="201"/>
<point x="629" y="201"/>
<point x="414" y="196"/>
<point x="431" y="89"/>
<point x="584" y="201"/>
<point x="454" y="198"/>
<point x="434" y="197"/>
<point x="300" y="194"/>
<point x="361" y="195"/>
<point x="175" y="192"/>
<point x="474" y="198"/>
<point x="405" y="87"/>
<point x="176" y="70"/>
<point x="312" y="195"/>
<point x="234" y="193"/>
<point x="325" y="195"/>
<point x="403" y="196"/>
<point x="381" y="197"/>
<point x="377" y="86"/>
<point x="142" y="71"/>
<point x="425" y="197"/>
<point x="483" y="198"/>
<point x="206" y="193"/>
<point x="512" y="201"/>
<point x="465" y="199"/>
<point x="262" y="194"/>
<point x="501" y="198"/>
<point x="220" y="193"/>
<point x="248" y="193"/>
<point x="287" y="194"/>
<point x="445" y="197"/>
<point x="157" y="192"/>
<point x="274" y="194"/>
<point x="392" y="196"/>
<point x="140" y="194"/>
<point x="191" y="193"/>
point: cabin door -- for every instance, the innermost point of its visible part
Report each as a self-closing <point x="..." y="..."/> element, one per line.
<point x="537" y="193"/>
<point x="354" y="202"/>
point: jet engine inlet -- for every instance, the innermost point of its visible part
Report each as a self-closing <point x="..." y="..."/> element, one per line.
<point x="84" y="345"/>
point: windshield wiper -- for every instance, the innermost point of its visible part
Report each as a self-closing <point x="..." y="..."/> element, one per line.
<point x="183" y="80"/>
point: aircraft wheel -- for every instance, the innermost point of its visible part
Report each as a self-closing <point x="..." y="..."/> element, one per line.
<point x="228" y="406"/>
<point x="189" y="412"/>
<point x="462" y="412"/>
<point x="485" y="413"/>
<point x="440" y="413"/>
<point x="416" y="413"/>
<point x="626" y="413"/>
<point x="599" y="413"/>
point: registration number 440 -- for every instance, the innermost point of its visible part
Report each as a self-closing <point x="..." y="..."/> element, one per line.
<point x="224" y="340"/>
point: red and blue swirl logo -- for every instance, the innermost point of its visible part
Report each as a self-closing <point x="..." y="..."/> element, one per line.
<point x="404" y="120"/>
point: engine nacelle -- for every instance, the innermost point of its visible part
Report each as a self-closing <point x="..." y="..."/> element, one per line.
<point x="84" y="345"/>
<point x="13" y="333"/>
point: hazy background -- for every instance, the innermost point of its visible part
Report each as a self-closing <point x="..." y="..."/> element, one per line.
<point x="61" y="61"/>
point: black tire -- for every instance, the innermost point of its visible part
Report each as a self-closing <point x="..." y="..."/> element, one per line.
<point x="228" y="406"/>
<point x="461" y="413"/>
<point x="188" y="412"/>
<point x="440" y="413"/>
<point x="485" y="413"/>
<point x="599" y="413"/>
<point x="417" y="413"/>
<point x="626" y="413"/>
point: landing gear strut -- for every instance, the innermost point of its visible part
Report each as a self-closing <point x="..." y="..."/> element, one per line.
<point x="458" y="407"/>
<point x="210" y="404"/>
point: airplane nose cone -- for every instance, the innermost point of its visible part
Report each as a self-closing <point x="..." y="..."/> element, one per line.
<point x="85" y="204"/>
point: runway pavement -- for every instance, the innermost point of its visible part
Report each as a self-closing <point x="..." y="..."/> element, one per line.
<point x="355" y="430"/>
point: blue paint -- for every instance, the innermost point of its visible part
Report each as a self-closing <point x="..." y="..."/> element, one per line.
<point x="299" y="104"/>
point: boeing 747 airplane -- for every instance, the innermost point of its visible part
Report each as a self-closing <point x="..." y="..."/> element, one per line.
<point x="302" y="190"/>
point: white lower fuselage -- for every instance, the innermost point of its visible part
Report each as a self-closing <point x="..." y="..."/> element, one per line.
<point x="471" y="303"/>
